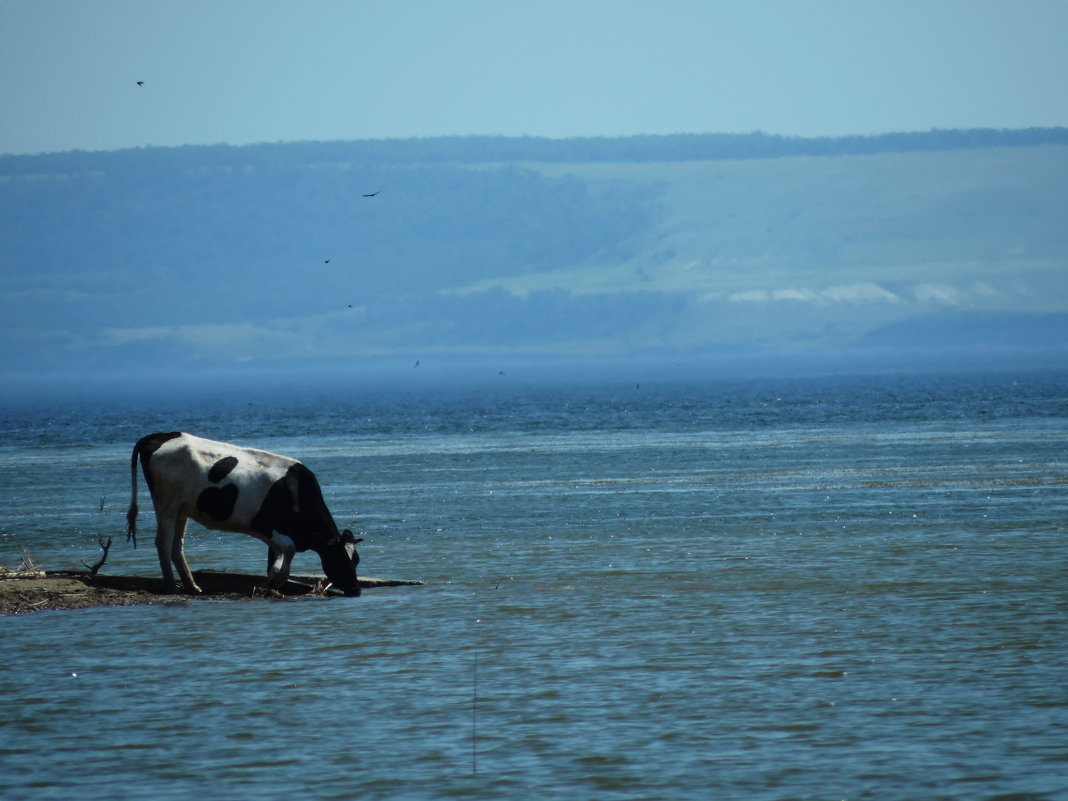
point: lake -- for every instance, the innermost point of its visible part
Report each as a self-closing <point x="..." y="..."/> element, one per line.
<point x="842" y="587"/>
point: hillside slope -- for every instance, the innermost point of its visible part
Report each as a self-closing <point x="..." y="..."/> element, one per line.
<point x="298" y="255"/>
<point x="824" y="250"/>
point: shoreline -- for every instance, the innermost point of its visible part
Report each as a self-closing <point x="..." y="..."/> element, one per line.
<point x="53" y="590"/>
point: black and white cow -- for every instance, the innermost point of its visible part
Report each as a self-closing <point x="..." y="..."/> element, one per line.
<point x="229" y="488"/>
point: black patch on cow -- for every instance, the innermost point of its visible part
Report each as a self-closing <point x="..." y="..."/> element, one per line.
<point x="218" y="502"/>
<point x="295" y="507"/>
<point x="221" y="469"/>
<point x="148" y="445"/>
<point x="278" y="512"/>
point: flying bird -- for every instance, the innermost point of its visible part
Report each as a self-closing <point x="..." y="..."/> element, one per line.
<point x="373" y="194"/>
<point x="327" y="261"/>
<point x="140" y="83"/>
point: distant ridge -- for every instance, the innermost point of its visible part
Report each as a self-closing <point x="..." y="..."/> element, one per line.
<point x="478" y="149"/>
<point x="946" y="245"/>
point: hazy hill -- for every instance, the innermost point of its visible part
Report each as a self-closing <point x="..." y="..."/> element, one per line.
<point x="951" y="244"/>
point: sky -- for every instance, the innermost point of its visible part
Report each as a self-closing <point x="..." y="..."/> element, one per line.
<point x="245" y="71"/>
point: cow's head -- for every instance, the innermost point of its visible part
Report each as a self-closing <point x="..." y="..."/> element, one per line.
<point x="339" y="559"/>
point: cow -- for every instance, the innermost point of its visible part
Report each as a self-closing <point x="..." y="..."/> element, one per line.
<point x="229" y="488"/>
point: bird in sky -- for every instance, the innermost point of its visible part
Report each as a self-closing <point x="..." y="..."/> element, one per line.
<point x="373" y="194"/>
<point x="327" y="261"/>
<point x="140" y="83"/>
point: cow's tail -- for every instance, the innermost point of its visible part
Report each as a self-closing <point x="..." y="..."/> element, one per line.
<point x="131" y="513"/>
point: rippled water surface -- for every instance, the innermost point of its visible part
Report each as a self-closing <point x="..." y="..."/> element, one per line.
<point x="823" y="588"/>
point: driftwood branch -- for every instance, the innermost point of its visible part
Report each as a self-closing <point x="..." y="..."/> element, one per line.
<point x="106" y="546"/>
<point x="26" y="569"/>
<point x="21" y="573"/>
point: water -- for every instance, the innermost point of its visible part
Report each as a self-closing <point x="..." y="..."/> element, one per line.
<point x="837" y="588"/>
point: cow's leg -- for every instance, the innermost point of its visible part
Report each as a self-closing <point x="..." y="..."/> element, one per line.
<point x="165" y="525"/>
<point x="178" y="557"/>
<point x="281" y="550"/>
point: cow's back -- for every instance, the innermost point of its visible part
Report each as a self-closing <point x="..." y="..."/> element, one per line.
<point x="221" y="486"/>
